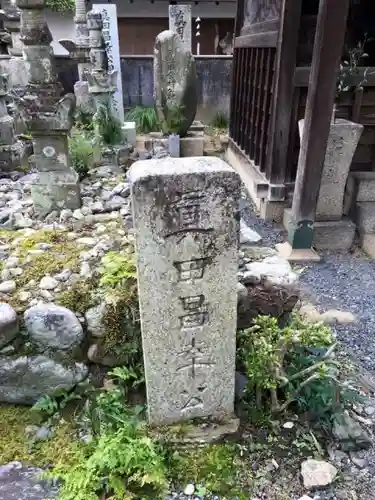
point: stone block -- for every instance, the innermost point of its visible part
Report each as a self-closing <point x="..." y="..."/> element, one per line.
<point x="342" y="143"/>
<point x="185" y="214"/>
<point x="367" y="242"/>
<point x="191" y="146"/>
<point x="365" y="216"/>
<point x="130" y="133"/>
<point x="55" y="191"/>
<point x="360" y="187"/>
<point x="329" y="235"/>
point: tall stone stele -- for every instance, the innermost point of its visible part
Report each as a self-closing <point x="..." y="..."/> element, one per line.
<point x="48" y="117"/>
<point x="185" y="219"/>
<point x="175" y="83"/>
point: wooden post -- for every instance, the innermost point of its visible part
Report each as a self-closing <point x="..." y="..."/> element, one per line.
<point x="328" y="46"/>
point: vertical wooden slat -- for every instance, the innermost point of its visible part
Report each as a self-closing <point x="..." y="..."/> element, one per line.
<point x="254" y="102"/>
<point x="250" y="93"/>
<point x="245" y="81"/>
<point x="258" y="129"/>
<point x="237" y="29"/>
<point x="266" y="108"/>
<point x="237" y="90"/>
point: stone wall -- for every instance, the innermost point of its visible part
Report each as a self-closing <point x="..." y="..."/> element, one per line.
<point x="214" y="81"/>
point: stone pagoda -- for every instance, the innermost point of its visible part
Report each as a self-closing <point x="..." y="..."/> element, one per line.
<point x="79" y="51"/>
<point x="48" y="117"/>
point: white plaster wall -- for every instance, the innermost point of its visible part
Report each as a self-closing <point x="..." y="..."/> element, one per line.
<point x="62" y="26"/>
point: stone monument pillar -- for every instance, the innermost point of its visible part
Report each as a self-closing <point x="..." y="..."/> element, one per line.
<point x="12" y="22"/>
<point x="180" y="23"/>
<point x="79" y="51"/>
<point x="48" y="117"/>
<point x="102" y="82"/>
<point x="185" y="217"/>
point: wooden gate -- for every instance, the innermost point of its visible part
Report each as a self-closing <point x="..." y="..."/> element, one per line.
<point x="264" y="62"/>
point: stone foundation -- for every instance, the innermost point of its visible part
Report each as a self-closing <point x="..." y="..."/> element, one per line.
<point x="329" y="235"/>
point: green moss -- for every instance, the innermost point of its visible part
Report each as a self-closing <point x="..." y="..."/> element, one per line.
<point x="61" y="448"/>
<point x="79" y="297"/>
<point x="220" y="468"/>
<point x="6" y="237"/>
<point x="49" y="236"/>
<point x="63" y="254"/>
<point x="122" y="325"/>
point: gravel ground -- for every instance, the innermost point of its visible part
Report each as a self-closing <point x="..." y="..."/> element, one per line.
<point x="339" y="281"/>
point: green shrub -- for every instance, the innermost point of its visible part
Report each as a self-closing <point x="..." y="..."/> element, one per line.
<point x="61" y="5"/>
<point x="108" y="128"/>
<point x="81" y="152"/>
<point x="220" y="121"/>
<point x="84" y="120"/>
<point x="145" y="119"/>
<point x="292" y="365"/>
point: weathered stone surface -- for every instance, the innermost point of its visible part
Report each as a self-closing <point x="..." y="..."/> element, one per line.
<point x="342" y="143"/>
<point x="317" y="473"/>
<point x="9" y="326"/>
<point x="180" y="23"/>
<point x="53" y="326"/>
<point x="24" y="380"/>
<point x="175" y="84"/>
<point x="272" y="288"/>
<point x="350" y="434"/>
<point x="186" y="223"/>
<point x="19" y="482"/>
<point x="248" y="235"/>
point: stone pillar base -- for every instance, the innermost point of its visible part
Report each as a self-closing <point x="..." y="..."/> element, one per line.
<point x="329" y="235"/>
<point x="191" y="146"/>
<point x="55" y="191"/>
<point x="297" y="255"/>
<point x="190" y="434"/>
<point x="367" y="242"/>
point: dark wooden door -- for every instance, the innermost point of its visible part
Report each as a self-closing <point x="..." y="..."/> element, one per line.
<point x="262" y="89"/>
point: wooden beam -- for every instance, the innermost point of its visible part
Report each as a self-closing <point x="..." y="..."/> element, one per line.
<point x="328" y="47"/>
<point x="276" y="162"/>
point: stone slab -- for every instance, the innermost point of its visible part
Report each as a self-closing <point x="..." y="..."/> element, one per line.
<point x="329" y="235"/>
<point x="365" y="216"/>
<point x="359" y="188"/>
<point x="130" y="133"/>
<point x="367" y="242"/>
<point x="185" y="213"/>
<point x="342" y="143"/>
<point x="191" y="146"/>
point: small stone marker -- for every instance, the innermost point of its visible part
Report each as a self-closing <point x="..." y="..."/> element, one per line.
<point x="180" y="23"/>
<point x="185" y="216"/>
<point x="130" y="133"/>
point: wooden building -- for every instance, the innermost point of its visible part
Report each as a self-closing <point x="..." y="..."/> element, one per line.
<point x="271" y="73"/>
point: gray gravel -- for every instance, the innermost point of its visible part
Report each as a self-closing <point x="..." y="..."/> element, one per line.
<point x="340" y="281"/>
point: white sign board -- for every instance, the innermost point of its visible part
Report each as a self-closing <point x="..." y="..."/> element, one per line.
<point x="110" y="35"/>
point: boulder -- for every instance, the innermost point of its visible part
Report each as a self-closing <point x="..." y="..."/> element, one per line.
<point x="25" y="379"/>
<point x="49" y="325"/>
<point x="9" y="326"/>
<point x="317" y="473"/>
<point x="175" y="84"/>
